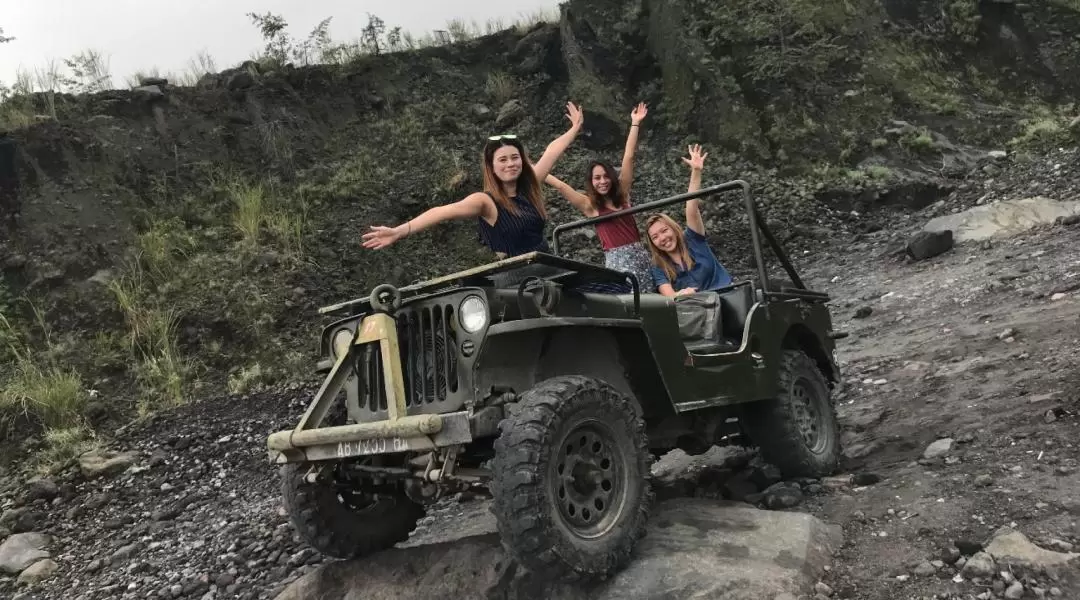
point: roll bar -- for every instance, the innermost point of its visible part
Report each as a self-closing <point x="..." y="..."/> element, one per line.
<point x="758" y="229"/>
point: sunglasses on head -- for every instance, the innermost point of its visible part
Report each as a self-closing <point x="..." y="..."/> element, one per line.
<point x="506" y="136"/>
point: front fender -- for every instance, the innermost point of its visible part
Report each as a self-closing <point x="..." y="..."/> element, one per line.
<point x="517" y="355"/>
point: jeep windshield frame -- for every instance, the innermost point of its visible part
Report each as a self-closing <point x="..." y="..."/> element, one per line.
<point x="758" y="230"/>
<point x="569" y="273"/>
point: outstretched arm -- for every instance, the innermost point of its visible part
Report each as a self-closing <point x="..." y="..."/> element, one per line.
<point x="696" y="161"/>
<point x="626" y="174"/>
<point x="579" y="200"/>
<point x="559" y="145"/>
<point x="473" y="205"/>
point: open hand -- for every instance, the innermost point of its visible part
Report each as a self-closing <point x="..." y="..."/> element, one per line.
<point x="573" y="112"/>
<point x="638" y="114"/>
<point x="380" y="237"/>
<point x="697" y="159"/>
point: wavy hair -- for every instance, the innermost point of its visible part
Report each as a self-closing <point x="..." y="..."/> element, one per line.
<point x="619" y="197"/>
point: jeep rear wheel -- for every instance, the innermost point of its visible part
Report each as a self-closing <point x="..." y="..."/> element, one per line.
<point x="571" y="479"/>
<point x="342" y="519"/>
<point x="797" y="431"/>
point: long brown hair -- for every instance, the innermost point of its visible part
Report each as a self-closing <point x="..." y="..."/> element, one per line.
<point x="659" y="257"/>
<point x="619" y="197"/>
<point x="527" y="184"/>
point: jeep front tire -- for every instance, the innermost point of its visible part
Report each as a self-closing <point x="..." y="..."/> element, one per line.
<point x="797" y="431"/>
<point x="341" y="520"/>
<point x="571" y="479"/>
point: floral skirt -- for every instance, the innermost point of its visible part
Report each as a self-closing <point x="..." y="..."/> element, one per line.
<point x="634" y="258"/>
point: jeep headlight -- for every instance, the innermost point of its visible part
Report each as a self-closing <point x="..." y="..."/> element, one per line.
<point x="473" y="314"/>
<point x="339" y="344"/>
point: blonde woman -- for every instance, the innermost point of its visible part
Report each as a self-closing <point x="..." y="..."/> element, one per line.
<point x="682" y="262"/>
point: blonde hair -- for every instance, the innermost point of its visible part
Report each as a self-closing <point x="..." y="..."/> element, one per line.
<point x="659" y="257"/>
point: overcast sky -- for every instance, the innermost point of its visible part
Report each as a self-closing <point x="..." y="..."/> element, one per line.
<point x="141" y="34"/>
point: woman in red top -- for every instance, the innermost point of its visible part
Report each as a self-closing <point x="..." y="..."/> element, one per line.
<point x="605" y="193"/>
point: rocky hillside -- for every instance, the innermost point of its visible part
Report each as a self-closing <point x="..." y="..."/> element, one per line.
<point x="172" y="243"/>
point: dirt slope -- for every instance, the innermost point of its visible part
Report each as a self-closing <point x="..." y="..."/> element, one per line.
<point x="969" y="345"/>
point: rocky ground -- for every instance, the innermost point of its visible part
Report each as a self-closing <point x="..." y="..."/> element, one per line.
<point x="960" y="410"/>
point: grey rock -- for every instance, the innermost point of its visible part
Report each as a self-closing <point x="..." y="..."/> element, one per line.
<point x="783" y="495"/>
<point x="1013" y="549"/>
<point x="41" y="489"/>
<point x="22" y="550"/>
<point x="928" y="244"/>
<point x="979" y="565"/>
<point x="104" y="463"/>
<point x="38" y="572"/>
<point x="150" y="91"/>
<point x="694" y="547"/>
<point x="239" y="80"/>
<point x="510" y="114"/>
<point x="925" y="569"/>
<point x="938" y="449"/>
<point x="1015" y="591"/>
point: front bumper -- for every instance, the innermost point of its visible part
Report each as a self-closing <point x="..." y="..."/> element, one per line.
<point x="398" y="433"/>
<point x="420" y="433"/>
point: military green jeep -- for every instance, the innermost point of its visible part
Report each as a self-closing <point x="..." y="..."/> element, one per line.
<point x="554" y="383"/>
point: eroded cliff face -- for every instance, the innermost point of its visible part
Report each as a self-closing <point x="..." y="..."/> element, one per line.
<point x="791" y="82"/>
<point x="181" y="239"/>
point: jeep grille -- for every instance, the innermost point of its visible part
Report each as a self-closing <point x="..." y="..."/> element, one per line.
<point x="429" y="361"/>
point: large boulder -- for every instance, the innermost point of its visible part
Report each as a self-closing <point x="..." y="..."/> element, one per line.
<point x="1004" y="218"/>
<point x="1013" y="550"/>
<point x="105" y="463"/>
<point x="22" y="550"/>
<point x="694" y="547"/>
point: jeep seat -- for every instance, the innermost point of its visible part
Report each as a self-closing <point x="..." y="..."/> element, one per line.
<point x="701" y="323"/>
<point x="735" y="303"/>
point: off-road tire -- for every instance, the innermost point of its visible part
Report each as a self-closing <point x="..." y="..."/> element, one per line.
<point x="337" y="530"/>
<point x="774" y="425"/>
<point x="533" y="521"/>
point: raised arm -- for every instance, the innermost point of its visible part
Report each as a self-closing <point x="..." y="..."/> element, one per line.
<point x="626" y="174"/>
<point x="696" y="162"/>
<point x="579" y="200"/>
<point x="559" y="145"/>
<point x="474" y="205"/>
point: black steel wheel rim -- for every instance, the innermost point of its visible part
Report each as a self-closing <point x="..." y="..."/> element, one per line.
<point x="588" y="480"/>
<point x="809" y="414"/>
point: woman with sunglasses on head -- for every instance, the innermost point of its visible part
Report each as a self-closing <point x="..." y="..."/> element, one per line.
<point x="510" y="210"/>
<point x="606" y="193"/>
<point x="682" y="262"/>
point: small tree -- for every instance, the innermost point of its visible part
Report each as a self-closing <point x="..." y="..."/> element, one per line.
<point x="89" y="72"/>
<point x="372" y="33"/>
<point x="393" y="39"/>
<point x="2" y="38"/>
<point x="272" y="28"/>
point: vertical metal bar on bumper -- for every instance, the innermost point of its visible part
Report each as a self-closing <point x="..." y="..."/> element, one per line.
<point x="376" y="328"/>
<point x="382" y="328"/>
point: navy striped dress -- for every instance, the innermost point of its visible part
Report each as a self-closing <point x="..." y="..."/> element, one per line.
<point x="522" y="233"/>
<point x="513" y="235"/>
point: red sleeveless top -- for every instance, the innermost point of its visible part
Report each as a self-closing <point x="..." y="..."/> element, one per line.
<point x="619" y="231"/>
